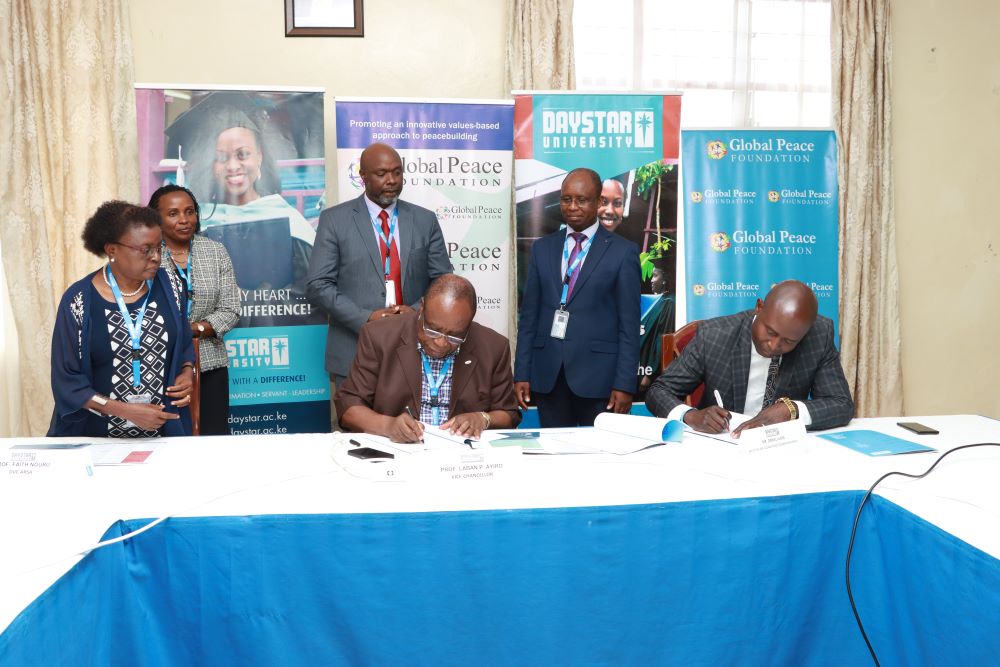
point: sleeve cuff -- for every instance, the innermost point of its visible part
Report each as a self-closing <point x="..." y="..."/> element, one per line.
<point x="678" y="412"/>
<point x="804" y="415"/>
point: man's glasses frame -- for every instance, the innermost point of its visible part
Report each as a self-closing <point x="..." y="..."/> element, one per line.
<point x="431" y="333"/>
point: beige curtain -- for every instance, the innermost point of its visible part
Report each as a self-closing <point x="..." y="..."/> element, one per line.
<point x="869" y="282"/>
<point x="67" y="143"/>
<point x="540" y="45"/>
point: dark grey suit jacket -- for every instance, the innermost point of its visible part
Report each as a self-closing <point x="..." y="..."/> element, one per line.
<point x="346" y="277"/>
<point x="719" y="356"/>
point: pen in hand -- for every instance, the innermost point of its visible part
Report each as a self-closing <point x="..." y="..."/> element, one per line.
<point x="410" y="412"/>
<point x="718" y="401"/>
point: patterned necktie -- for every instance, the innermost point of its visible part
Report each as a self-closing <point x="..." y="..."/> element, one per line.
<point x="393" y="254"/>
<point x="579" y="237"/>
<point x="770" y="387"/>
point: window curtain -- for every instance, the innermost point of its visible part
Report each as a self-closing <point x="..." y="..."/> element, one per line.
<point x="869" y="280"/>
<point x="540" y="45"/>
<point x="67" y="143"/>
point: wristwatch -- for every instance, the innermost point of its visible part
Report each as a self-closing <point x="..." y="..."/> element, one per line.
<point x="201" y="328"/>
<point x="793" y="409"/>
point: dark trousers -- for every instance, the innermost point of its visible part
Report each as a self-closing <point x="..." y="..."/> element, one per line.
<point x="214" y="418"/>
<point x="561" y="408"/>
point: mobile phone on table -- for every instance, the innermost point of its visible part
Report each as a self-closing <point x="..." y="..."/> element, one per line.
<point x="369" y="453"/>
<point x="918" y="428"/>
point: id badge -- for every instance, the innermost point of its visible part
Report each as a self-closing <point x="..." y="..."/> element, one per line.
<point x="390" y="293"/>
<point x="559" y="324"/>
<point x="137" y="398"/>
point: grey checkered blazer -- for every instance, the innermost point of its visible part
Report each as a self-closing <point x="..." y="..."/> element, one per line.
<point x="719" y="356"/>
<point x="216" y="296"/>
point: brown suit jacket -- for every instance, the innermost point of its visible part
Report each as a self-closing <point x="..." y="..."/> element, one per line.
<point x="386" y="373"/>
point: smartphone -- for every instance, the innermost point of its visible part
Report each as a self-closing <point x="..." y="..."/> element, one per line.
<point x="369" y="453"/>
<point x="918" y="428"/>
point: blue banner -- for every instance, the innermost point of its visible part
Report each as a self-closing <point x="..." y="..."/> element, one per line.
<point x="760" y="206"/>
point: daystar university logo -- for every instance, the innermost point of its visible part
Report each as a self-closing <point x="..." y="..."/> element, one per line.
<point x="716" y="149"/>
<point x="773" y="196"/>
<point x="699" y="290"/>
<point x="719" y="241"/>
<point x="354" y="175"/>
<point x="263" y="352"/>
<point x="279" y="351"/>
<point x="696" y="197"/>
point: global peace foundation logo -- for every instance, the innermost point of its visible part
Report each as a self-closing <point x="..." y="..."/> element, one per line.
<point x="716" y="149"/>
<point x="719" y="241"/>
<point x="354" y="175"/>
<point x="443" y="212"/>
<point x="696" y="197"/>
<point x="773" y="196"/>
<point x="698" y="289"/>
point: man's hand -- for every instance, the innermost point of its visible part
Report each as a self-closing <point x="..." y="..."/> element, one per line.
<point x="182" y="390"/>
<point x="403" y="308"/>
<point x="619" y="402"/>
<point x="404" y="428"/>
<point x="522" y="392"/>
<point x="776" y="413"/>
<point x="470" y="424"/>
<point x="385" y="312"/>
<point x="146" y="415"/>
<point x="712" y="419"/>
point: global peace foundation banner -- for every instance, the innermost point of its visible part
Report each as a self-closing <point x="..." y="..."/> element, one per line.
<point x="254" y="160"/>
<point x="632" y="141"/>
<point x="760" y="206"/>
<point x="456" y="162"/>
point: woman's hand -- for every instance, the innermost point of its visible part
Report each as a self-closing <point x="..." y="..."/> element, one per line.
<point x="182" y="390"/>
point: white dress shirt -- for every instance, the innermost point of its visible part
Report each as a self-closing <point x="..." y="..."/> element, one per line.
<point x="373" y="211"/>
<point x="571" y="242"/>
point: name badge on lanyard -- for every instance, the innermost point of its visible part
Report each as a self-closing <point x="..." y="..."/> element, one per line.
<point x="560" y="321"/>
<point x="434" y="383"/>
<point x="134" y="325"/>
<point x="390" y="285"/>
<point x="188" y="279"/>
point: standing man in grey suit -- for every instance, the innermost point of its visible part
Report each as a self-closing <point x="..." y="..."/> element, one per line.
<point x="374" y="257"/>
<point x="777" y="362"/>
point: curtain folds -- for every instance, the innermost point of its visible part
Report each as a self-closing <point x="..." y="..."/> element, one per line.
<point x="68" y="138"/>
<point x="869" y="281"/>
<point x="540" y="45"/>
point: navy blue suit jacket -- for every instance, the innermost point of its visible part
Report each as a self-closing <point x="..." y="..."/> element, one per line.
<point x="601" y="348"/>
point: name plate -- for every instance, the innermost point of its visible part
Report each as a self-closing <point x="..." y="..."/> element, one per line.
<point x="451" y="466"/>
<point x="763" y="438"/>
<point x="58" y="461"/>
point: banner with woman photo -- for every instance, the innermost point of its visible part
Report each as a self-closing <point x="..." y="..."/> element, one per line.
<point x="456" y="162"/>
<point x="632" y="141"/>
<point x="760" y="206"/>
<point x="254" y="160"/>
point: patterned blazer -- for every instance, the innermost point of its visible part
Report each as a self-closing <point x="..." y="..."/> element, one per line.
<point x="719" y="356"/>
<point x="216" y="296"/>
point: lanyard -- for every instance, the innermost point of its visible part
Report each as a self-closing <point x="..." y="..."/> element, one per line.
<point x="185" y="275"/>
<point x="571" y="268"/>
<point x="386" y="239"/>
<point x="434" y="383"/>
<point x="134" y="326"/>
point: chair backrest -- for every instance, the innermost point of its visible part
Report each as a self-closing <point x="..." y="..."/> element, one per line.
<point x="196" y="392"/>
<point x="672" y="344"/>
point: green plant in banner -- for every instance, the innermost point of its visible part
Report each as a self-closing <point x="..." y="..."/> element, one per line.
<point x="655" y="252"/>
<point x="649" y="175"/>
<point x="646" y="178"/>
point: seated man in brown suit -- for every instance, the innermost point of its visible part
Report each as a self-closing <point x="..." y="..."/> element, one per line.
<point x="433" y="366"/>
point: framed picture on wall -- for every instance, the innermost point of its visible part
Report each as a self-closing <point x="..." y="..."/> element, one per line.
<point x="324" y="18"/>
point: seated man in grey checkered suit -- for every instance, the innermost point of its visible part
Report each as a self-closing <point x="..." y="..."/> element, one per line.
<point x="790" y="371"/>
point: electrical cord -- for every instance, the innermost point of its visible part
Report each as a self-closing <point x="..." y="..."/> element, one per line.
<point x="857" y="518"/>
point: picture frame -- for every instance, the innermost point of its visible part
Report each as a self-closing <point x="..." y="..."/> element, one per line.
<point x="324" y="18"/>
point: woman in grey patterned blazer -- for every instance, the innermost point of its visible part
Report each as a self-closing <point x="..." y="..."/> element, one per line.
<point x="213" y="305"/>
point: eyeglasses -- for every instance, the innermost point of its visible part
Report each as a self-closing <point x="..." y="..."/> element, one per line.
<point x="150" y="251"/>
<point x="579" y="201"/>
<point x="435" y="335"/>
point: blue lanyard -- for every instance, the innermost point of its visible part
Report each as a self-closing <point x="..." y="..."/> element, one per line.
<point x="434" y="383"/>
<point x="386" y="239"/>
<point x="571" y="268"/>
<point x="185" y="275"/>
<point x="134" y="326"/>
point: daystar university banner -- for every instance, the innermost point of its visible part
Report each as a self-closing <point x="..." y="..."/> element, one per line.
<point x="760" y="206"/>
<point x="254" y="159"/>
<point x="456" y="162"/>
<point x="632" y="141"/>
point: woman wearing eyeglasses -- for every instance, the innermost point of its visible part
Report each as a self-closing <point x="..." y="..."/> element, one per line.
<point x="122" y="358"/>
<point x="213" y="297"/>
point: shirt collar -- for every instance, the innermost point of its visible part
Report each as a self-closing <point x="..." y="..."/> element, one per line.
<point x="588" y="232"/>
<point x="374" y="209"/>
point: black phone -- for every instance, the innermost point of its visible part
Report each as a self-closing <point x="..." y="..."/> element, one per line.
<point x="369" y="453"/>
<point x="918" y="428"/>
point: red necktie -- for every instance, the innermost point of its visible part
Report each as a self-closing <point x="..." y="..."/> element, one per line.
<point x="393" y="256"/>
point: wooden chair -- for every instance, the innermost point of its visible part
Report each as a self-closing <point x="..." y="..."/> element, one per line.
<point x="671" y="346"/>
<point x="195" y="406"/>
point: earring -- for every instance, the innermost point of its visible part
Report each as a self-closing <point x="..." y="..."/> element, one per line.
<point x="112" y="260"/>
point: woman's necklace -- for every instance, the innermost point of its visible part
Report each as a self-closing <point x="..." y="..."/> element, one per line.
<point x="125" y="294"/>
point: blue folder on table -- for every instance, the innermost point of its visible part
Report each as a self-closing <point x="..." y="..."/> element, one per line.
<point x="875" y="443"/>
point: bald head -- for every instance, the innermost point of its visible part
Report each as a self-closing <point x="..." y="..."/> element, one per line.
<point x="783" y="318"/>
<point x="381" y="170"/>
<point x="450" y="288"/>
<point x="448" y="308"/>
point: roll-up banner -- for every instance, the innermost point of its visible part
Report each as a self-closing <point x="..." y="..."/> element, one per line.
<point x="632" y="140"/>
<point x="457" y="162"/>
<point x="760" y="206"/>
<point x="254" y="159"/>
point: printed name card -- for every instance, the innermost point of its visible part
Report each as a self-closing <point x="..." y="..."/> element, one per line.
<point x="763" y="438"/>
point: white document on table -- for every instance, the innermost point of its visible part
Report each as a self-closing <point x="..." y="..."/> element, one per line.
<point x="612" y="434"/>
<point x="735" y="420"/>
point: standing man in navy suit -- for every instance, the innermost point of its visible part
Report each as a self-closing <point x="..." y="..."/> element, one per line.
<point x="578" y="329"/>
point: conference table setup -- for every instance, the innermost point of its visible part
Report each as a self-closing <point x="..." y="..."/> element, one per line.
<point x="291" y="550"/>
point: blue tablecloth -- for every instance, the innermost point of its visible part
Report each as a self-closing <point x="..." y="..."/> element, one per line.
<point x="729" y="582"/>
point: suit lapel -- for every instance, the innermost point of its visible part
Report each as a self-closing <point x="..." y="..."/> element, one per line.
<point x="408" y="358"/>
<point x="465" y="366"/>
<point x="363" y="223"/>
<point x="740" y="363"/>
<point x="602" y="239"/>
<point x="404" y="224"/>
<point x="553" y="255"/>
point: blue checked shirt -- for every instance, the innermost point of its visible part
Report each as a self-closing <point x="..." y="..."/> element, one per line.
<point x="444" y="394"/>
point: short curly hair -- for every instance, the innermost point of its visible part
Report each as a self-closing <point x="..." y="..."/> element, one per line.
<point x="154" y="201"/>
<point x="112" y="220"/>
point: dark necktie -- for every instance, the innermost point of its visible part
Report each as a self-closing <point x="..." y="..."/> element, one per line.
<point x="579" y="237"/>
<point x="393" y="253"/>
<point x="770" y="387"/>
